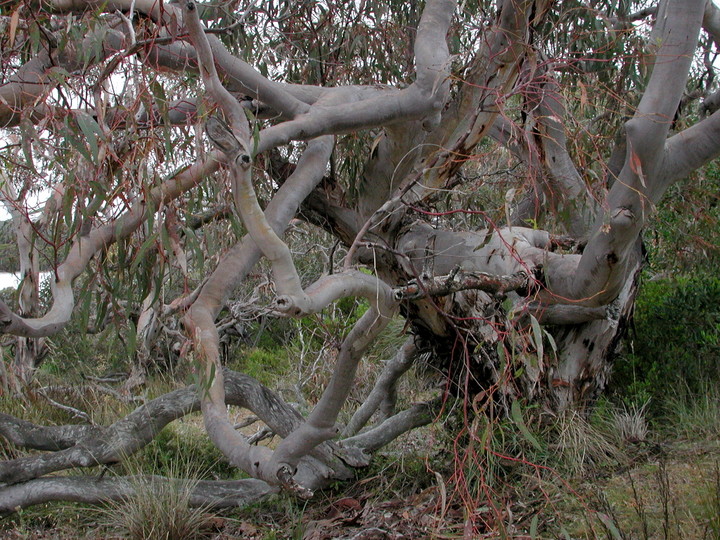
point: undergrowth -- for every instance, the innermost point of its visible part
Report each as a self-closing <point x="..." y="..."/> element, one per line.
<point x="159" y="508"/>
<point x="644" y="464"/>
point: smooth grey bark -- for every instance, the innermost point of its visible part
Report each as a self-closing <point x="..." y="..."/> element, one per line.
<point x="28" y="435"/>
<point x="604" y="266"/>
<point x="86" y="446"/>
<point x="28" y="352"/>
<point x="564" y="189"/>
<point x="95" y="490"/>
<point x="416" y="416"/>
<point x="384" y="391"/>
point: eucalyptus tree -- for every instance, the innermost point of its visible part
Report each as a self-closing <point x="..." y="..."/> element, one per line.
<point x="487" y="167"/>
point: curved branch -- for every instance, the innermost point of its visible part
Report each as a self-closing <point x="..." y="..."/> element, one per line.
<point x="236" y="145"/>
<point x="88" y="446"/>
<point x="422" y="99"/>
<point x="200" y="319"/>
<point x="28" y="435"/>
<point x="87" y="246"/>
<point x="460" y="280"/>
<point x="690" y="149"/>
<point x="489" y="79"/>
<point x="570" y="186"/>
<point x="432" y="57"/>
<point x="607" y="259"/>
<point x="320" y="424"/>
<point x="385" y="387"/>
<point x="158" y="11"/>
<point x="34" y="80"/>
<point x="255" y="85"/>
<point x="227" y="103"/>
<point x="416" y="416"/>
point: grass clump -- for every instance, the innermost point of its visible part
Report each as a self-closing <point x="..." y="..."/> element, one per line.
<point x="579" y="445"/>
<point x="185" y="442"/>
<point x="691" y="415"/>
<point x="159" y="509"/>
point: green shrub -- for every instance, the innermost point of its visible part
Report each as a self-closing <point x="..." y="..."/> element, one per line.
<point x="676" y="340"/>
<point x="683" y="236"/>
<point x="265" y="365"/>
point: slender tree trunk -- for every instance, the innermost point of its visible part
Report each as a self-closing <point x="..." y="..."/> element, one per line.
<point x="29" y="352"/>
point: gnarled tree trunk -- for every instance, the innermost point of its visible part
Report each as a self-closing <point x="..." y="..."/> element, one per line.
<point x="481" y="302"/>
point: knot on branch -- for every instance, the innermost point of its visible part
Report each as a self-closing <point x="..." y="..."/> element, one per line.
<point x="224" y="140"/>
<point x="292" y="305"/>
<point x="6" y="317"/>
<point x="622" y="217"/>
<point x="285" y="477"/>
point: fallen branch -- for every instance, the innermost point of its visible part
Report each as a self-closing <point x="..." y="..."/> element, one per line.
<point x="95" y="490"/>
<point x="88" y="446"/>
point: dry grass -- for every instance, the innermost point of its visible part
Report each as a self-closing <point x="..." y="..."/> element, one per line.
<point x="580" y="445"/>
<point x="630" y="423"/>
<point x="158" y="511"/>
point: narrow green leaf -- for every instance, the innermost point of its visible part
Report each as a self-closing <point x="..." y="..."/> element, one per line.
<point x="131" y="338"/>
<point x="121" y="247"/>
<point x="551" y="341"/>
<point x="150" y="214"/>
<point x="28" y="134"/>
<point x="610" y="525"/>
<point x="101" y="309"/>
<point x="534" y="527"/>
<point x="92" y="132"/>
<point x="146" y="245"/>
<point x="501" y="353"/>
<point x="86" y="295"/>
<point x="538" y="336"/>
<point x="157" y="284"/>
<point x="160" y="99"/>
<point x="165" y="238"/>
<point x="67" y="207"/>
<point x="35" y="38"/>
<point x="518" y="419"/>
<point x="98" y="189"/>
<point x="76" y="143"/>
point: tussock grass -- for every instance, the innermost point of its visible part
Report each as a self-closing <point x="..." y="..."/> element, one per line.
<point x="580" y="445"/>
<point x="692" y="416"/>
<point x="630" y="423"/>
<point x="158" y="510"/>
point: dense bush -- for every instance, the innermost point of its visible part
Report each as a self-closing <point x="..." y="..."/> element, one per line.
<point x="675" y="343"/>
<point x="683" y="236"/>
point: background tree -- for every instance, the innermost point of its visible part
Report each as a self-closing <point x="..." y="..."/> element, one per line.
<point x="487" y="169"/>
